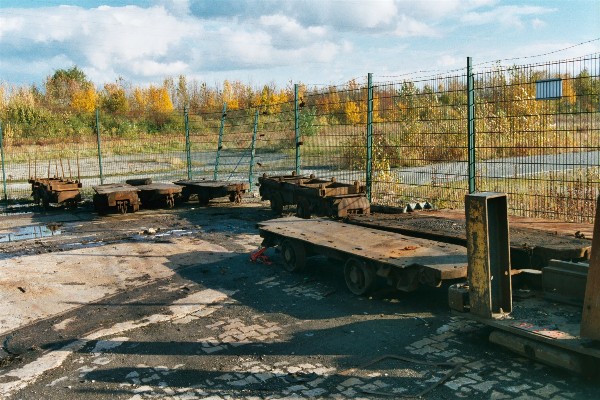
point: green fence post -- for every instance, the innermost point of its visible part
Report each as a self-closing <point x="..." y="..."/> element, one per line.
<point x="471" y="124"/>
<point x="369" y="166"/>
<point x="220" y="145"/>
<point x="297" y="128"/>
<point x="99" y="145"/>
<point x="252" y="150"/>
<point x="3" y="170"/>
<point x="188" y="147"/>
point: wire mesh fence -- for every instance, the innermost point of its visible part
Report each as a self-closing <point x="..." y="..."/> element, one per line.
<point x="536" y="136"/>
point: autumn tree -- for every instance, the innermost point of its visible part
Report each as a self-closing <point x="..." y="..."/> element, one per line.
<point x="70" y="88"/>
<point x="114" y="99"/>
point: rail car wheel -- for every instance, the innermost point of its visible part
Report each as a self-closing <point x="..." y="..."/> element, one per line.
<point x="122" y="207"/>
<point x="235" y="197"/>
<point x="185" y="194"/>
<point x="45" y="202"/>
<point x="170" y="202"/>
<point x="303" y="209"/>
<point x="294" y="255"/>
<point x="359" y="276"/>
<point x="203" y="200"/>
<point x="277" y="203"/>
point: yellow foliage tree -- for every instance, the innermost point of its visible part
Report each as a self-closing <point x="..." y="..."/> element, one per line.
<point x="352" y="112"/>
<point x="159" y="100"/>
<point x="84" y="100"/>
<point x="229" y="96"/>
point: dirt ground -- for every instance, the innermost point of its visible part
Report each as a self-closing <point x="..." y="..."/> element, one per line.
<point x="166" y="304"/>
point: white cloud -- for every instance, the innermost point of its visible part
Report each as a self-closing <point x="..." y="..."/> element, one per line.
<point x="537" y="23"/>
<point x="407" y="27"/>
<point x="253" y="38"/>
<point x="287" y="32"/>
<point x="509" y="16"/>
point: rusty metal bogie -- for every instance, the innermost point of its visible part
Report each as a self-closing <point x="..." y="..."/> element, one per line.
<point x="316" y="196"/>
<point x="55" y="190"/>
<point x="119" y="196"/>
<point x="206" y="190"/>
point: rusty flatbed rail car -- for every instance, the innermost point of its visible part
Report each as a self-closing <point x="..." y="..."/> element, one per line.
<point x="206" y="190"/>
<point x="314" y="196"/>
<point x="405" y="262"/>
<point x="156" y="194"/>
<point x="533" y="242"/>
<point x="119" y="196"/>
<point x="55" y="190"/>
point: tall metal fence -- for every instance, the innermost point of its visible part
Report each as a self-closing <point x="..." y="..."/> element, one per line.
<point x="532" y="131"/>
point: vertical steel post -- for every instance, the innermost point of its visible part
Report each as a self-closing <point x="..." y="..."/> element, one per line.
<point x="471" y="124"/>
<point x="253" y="150"/>
<point x="220" y="144"/>
<point x="488" y="252"/>
<point x="297" y="128"/>
<point x="99" y="146"/>
<point x="369" y="166"/>
<point x="3" y="170"/>
<point x="188" y="150"/>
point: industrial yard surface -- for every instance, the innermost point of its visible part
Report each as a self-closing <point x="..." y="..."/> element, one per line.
<point x="167" y="304"/>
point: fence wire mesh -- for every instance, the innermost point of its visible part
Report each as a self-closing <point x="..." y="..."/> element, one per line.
<point x="538" y="136"/>
<point x="536" y="130"/>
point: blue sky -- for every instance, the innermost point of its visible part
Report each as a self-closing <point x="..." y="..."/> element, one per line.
<point x="282" y="41"/>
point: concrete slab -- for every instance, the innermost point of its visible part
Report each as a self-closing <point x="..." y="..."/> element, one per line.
<point x="32" y="289"/>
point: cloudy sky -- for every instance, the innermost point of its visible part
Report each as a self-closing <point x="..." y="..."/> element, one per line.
<point x="282" y="41"/>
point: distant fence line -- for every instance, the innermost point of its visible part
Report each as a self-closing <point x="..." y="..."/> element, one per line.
<point x="531" y="131"/>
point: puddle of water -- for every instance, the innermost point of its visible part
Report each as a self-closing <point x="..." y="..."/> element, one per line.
<point x="29" y="232"/>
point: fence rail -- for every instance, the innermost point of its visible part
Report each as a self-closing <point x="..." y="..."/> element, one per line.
<point x="532" y="131"/>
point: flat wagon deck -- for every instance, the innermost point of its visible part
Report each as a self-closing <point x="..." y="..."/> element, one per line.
<point x="207" y="190"/>
<point x="405" y="262"/>
<point x="156" y="194"/>
<point x="119" y="196"/>
<point x="533" y="242"/>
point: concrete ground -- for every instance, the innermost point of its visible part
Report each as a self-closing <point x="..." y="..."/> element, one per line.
<point x="166" y="304"/>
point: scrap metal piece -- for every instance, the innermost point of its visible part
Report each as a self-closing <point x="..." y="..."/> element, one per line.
<point x="565" y="281"/>
<point x="539" y="351"/>
<point x="458" y="297"/>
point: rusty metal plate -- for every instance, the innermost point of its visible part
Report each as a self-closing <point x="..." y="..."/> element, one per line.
<point x="161" y="188"/>
<point x="110" y="188"/>
<point x="211" y="184"/>
<point x="590" y="321"/>
<point x="385" y="247"/>
<point x="533" y="242"/>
